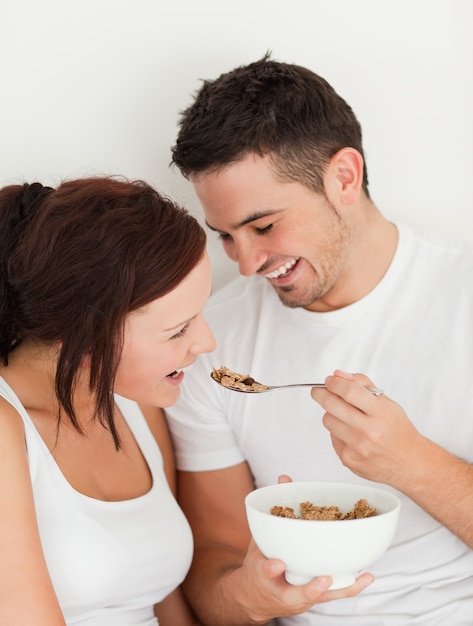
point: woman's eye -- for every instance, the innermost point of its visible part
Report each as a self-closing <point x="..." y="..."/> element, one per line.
<point x="264" y="230"/>
<point x="181" y="333"/>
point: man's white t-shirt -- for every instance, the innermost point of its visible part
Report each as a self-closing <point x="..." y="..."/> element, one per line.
<point x="413" y="336"/>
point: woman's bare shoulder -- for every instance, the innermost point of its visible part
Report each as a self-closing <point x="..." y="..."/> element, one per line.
<point x="11" y="424"/>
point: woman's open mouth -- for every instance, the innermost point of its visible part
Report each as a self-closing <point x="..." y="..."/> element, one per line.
<point x="175" y="377"/>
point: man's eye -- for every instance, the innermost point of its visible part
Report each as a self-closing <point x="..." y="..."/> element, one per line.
<point x="265" y="230"/>
<point x="181" y="333"/>
<point x="224" y="237"/>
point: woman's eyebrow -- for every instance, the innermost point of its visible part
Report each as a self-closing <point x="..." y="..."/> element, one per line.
<point x="166" y="330"/>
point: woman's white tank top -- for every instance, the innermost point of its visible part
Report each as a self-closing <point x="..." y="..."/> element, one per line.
<point x="110" y="562"/>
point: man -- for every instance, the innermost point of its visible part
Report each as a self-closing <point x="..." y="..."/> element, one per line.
<point x="276" y="159"/>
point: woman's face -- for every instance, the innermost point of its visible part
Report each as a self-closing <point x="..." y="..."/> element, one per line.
<point x="163" y="338"/>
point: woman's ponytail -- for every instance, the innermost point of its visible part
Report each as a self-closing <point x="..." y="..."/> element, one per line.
<point x="18" y="204"/>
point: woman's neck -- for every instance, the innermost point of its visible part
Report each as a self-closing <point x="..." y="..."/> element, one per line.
<point x="31" y="373"/>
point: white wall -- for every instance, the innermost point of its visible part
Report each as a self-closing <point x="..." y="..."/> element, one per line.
<point x="95" y="86"/>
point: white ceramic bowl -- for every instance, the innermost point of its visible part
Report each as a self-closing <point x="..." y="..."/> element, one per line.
<point x="311" y="548"/>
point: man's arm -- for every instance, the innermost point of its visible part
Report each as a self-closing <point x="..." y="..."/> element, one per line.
<point x="174" y="610"/>
<point x="442" y="485"/>
<point x="376" y="440"/>
<point x="230" y="582"/>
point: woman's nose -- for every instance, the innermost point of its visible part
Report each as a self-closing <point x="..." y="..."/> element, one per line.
<point x="205" y="341"/>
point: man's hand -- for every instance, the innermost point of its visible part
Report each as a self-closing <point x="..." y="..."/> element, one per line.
<point x="371" y="434"/>
<point x="266" y="593"/>
<point x="375" y="439"/>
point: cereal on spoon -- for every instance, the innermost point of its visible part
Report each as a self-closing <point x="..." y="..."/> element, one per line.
<point x="232" y="380"/>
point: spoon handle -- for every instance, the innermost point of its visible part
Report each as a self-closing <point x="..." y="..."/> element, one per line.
<point x="374" y="390"/>
<point x="321" y="385"/>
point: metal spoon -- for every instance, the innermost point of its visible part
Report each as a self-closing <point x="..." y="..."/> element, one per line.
<point x="264" y="388"/>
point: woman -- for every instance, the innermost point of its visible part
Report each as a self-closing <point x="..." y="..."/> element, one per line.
<point x="102" y="288"/>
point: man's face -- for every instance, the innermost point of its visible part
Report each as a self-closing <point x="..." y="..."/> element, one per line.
<point x="280" y="230"/>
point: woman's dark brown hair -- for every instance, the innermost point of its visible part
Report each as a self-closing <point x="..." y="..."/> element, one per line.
<point x="76" y="260"/>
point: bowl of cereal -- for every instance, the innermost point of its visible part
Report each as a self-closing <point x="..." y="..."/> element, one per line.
<point x="322" y="528"/>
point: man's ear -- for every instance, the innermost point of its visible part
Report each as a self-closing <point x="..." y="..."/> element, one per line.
<point x="344" y="177"/>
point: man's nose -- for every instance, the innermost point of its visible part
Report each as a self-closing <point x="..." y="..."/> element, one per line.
<point x="250" y="258"/>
